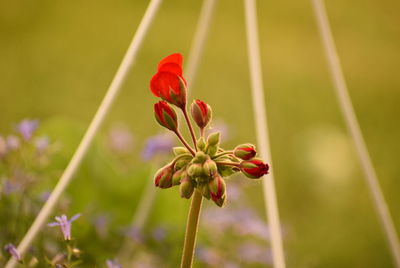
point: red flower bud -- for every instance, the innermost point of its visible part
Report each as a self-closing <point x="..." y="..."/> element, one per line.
<point x="165" y="115"/>
<point x="254" y="168"/>
<point x="217" y="189"/>
<point x="163" y="177"/>
<point x="245" y="151"/>
<point x="168" y="82"/>
<point x="201" y="113"/>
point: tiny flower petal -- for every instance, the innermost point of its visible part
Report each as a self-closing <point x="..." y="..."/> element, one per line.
<point x="175" y="58"/>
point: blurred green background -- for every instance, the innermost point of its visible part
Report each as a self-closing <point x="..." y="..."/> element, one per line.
<point x="57" y="59"/>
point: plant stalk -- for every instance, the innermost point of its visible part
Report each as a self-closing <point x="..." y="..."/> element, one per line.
<point x="191" y="230"/>
<point x="182" y="139"/>
<point x="190" y="128"/>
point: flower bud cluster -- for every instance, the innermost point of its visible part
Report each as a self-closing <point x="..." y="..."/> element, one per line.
<point x="205" y="167"/>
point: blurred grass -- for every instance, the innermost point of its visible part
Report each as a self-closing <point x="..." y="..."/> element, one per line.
<point x="58" y="58"/>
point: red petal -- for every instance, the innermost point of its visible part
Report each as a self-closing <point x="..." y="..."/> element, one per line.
<point x="171" y="68"/>
<point x="175" y="58"/>
<point x="161" y="83"/>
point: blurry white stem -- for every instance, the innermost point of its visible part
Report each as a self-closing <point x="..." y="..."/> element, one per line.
<point x="98" y="119"/>
<point x="355" y="131"/>
<point x="260" y="118"/>
<point x="197" y="48"/>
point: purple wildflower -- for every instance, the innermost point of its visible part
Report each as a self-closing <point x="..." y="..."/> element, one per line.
<point x="10" y="248"/>
<point x="120" y="139"/>
<point x="64" y="224"/>
<point x="42" y="143"/>
<point x="159" y="233"/>
<point x="27" y="127"/>
<point x="158" y="144"/>
<point x="208" y="256"/>
<point x="135" y="234"/>
<point x="254" y="253"/>
<point x="113" y="264"/>
<point x="12" y="142"/>
<point x="101" y="223"/>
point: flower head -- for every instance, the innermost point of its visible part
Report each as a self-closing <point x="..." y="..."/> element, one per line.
<point x="64" y="224"/>
<point x="254" y="168"/>
<point x="168" y="82"/>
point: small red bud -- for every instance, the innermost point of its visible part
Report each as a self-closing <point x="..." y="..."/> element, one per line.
<point x="165" y="115"/>
<point x="217" y="189"/>
<point x="245" y="151"/>
<point x="254" y="168"/>
<point x="201" y="113"/>
<point x="163" y="177"/>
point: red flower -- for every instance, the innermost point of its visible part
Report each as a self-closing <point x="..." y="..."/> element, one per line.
<point x="245" y="151"/>
<point x="201" y="113"/>
<point x="168" y="82"/>
<point x="254" y="168"/>
<point x="165" y="115"/>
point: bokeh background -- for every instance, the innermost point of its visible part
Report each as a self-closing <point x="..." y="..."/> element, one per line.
<point x="57" y="59"/>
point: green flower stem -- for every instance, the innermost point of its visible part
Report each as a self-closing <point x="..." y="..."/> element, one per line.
<point x="228" y="164"/>
<point x="202" y="132"/>
<point x="190" y="127"/>
<point x="184" y="142"/>
<point x="191" y="230"/>
<point x="222" y="154"/>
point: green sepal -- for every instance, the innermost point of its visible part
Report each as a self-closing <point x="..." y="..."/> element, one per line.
<point x="226" y="171"/>
<point x="180" y="150"/>
<point x="201" y="144"/>
<point x="213" y="139"/>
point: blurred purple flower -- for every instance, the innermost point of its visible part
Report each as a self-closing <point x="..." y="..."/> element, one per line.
<point x="159" y="144"/>
<point x="101" y="225"/>
<point x="241" y="221"/>
<point x="10" y="187"/>
<point x="135" y="234"/>
<point x="12" y="142"/>
<point x="255" y="253"/>
<point x="26" y="128"/>
<point x="64" y="224"/>
<point x="230" y="264"/>
<point x="159" y="233"/>
<point x="208" y="256"/>
<point x="10" y="248"/>
<point x="120" y="139"/>
<point x="42" y="143"/>
<point x="112" y="264"/>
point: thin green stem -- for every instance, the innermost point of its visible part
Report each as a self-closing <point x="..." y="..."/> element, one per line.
<point x="190" y="127"/>
<point x="202" y="132"/>
<point x="222" y="154"/>
<point x="184" y="142"/>
<point x="228" y="164"/>
<point x="191" y="230"/>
